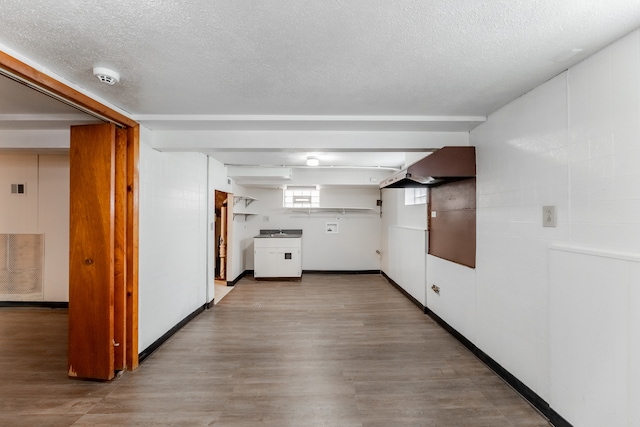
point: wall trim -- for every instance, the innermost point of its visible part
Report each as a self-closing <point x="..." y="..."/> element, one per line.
<point x="250" y="273"/>
<point x="557" y="420"/>
<point x="240" y="276"/>
<point x="405" y="293"/>
<point x="341" y="271"/>
<point x="531" y="396"/>
<point x="585" y="250"/>
<point x="42" y="304"/>
<point x="157" y="343"/>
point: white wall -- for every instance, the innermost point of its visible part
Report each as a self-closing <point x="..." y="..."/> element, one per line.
<point x="19" y="213"/>
<point x="173" y="238"/>
<point x="594" y="335"/>
<point x="403" y="242"/>
<point x="353" y="248"/>
<point x="571" y="143"/>
<point x="522" y="155"/>
<point x="53" y="221"/>
<point x="406" y="252"/>
<point x="44" y="209"/>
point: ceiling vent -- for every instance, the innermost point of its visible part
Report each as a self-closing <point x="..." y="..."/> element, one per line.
<point x="107" y="76"/>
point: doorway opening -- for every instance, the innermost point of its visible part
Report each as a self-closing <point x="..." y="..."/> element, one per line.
<point x="221" y="235"/>
<point x="119" y="351"/>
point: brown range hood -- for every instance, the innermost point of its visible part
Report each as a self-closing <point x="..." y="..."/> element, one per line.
<point x="444" y="165"/>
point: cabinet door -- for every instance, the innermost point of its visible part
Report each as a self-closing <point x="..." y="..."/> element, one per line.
<point x="288" y="262"/>
<point x="265" y="262"/>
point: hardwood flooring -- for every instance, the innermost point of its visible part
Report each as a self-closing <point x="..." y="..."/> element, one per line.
<point x="330" y="350"/>
<point x="221" y="290"/>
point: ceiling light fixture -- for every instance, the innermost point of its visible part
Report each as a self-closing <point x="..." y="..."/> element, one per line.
<point x="107" y="76"/>
<point x="312" y="161"/>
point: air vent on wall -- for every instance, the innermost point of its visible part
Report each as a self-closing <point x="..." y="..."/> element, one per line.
<point x="18" y="188"/>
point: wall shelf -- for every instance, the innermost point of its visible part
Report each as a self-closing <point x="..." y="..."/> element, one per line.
<point x="244" y="202"/>
<point x="343" y="210"/>
<point x="245" y="214"/>
<point x="246" y="199"/>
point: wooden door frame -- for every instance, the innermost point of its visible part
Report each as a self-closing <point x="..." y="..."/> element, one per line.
<point x="129" y="170"/>
<point x="218" y="203"/>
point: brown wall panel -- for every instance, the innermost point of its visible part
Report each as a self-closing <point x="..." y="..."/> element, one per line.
<point x="447" y="162"/>
<point x="452" y="231"/>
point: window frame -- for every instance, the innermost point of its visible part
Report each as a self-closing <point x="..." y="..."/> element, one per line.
<point x="289" y="194"/>
<point x="416" y="196"/>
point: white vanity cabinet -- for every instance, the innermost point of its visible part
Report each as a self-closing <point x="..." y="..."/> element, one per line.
<point x="277" y="257"/>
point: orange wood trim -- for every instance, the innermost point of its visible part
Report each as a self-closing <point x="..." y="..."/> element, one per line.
<point x="40" y="79"/>
<point x="120" y="251"/>
<point x="133" y="185"/>
<point x="91" y="247"/>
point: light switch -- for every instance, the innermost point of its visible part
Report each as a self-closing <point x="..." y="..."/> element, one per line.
<point x="549" y="216"/>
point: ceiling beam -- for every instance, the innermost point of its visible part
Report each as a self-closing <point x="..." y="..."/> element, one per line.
<point x="309" y="122"/>
<point x="339" y="141"/>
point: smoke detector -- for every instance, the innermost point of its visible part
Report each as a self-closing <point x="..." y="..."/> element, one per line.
<point x="107" y="76"/>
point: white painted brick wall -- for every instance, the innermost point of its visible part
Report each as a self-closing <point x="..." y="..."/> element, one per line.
<point x="522" y="165"/>
<point x="173" y="233"/>
<point x="572" y="143"/>
<point x="604" y="129"/>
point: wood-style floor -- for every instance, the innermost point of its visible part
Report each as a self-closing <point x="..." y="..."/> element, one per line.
<point x="221" y="290"/>
<point x="330" y="350"/>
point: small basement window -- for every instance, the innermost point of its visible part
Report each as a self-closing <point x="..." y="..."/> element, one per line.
<point x="301" y="197"/>
<point x="415" y="196"/>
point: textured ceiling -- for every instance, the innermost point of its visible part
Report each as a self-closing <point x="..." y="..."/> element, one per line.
<point x="438" y="63"/>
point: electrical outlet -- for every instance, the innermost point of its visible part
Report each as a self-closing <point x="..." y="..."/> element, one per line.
<point x="549" y="218"/>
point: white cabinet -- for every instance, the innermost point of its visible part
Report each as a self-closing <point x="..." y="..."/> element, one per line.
<point x="277" y="257"/>
<point x="265" y="262"/>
